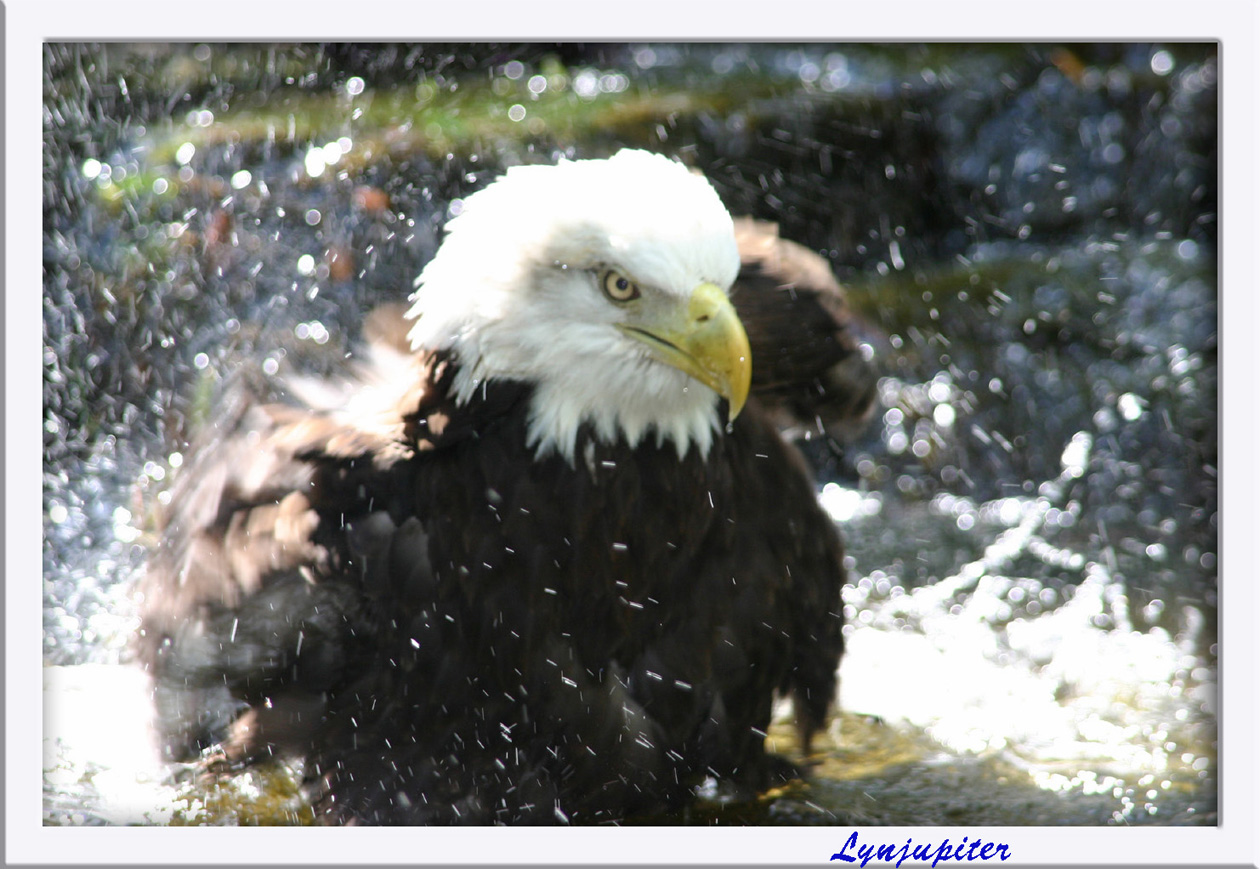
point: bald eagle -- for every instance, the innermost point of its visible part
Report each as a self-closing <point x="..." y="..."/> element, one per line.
<point x="552" y="560"/>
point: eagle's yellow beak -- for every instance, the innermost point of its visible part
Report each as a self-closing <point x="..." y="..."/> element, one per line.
<point x="706" y="341"/>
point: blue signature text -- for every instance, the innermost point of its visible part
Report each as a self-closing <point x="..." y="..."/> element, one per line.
<point x="853" y="852"/>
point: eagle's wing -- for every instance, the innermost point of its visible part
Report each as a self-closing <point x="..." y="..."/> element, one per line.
<point x="258" y="523"/>
<point x="292" y="609"/>
<point x="809" y="366"/>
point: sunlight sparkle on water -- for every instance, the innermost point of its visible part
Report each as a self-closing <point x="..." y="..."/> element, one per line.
<point x="586" y="84"/>
<point x="96" y="712"/>
<point x="1075" y="456"/>
<point x="320" y="157"/>
<point x="844" y="504"/>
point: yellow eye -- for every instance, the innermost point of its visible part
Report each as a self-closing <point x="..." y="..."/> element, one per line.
<point x="618" y="287"/>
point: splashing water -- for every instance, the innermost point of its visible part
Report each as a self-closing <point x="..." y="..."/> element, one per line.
<point x="1030" y="525"/>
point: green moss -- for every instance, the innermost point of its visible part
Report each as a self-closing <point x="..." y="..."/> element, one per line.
<point x="266" y="795"/>
<point x="461" y="118"/>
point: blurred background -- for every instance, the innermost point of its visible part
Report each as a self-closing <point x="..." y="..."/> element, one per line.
<point x="1028" y="231"/>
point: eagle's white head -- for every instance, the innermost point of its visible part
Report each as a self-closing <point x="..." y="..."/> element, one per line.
<point x="604" y="283"/>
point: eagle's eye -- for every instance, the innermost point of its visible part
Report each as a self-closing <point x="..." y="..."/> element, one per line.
<point x="618" y="287"/>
